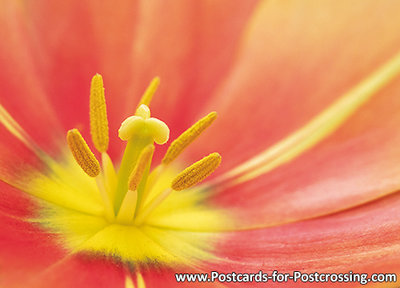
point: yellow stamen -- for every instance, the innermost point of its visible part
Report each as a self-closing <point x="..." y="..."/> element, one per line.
<point x="108" y="207"/>
<point x="152" y="205"/>
<point x="110" y="176"/>
<point x="140" y="281"/>
<point x="148" y="94"/>
<point x="197" y="172"/>
<point x="98" y="114"/>
<point x="82" y="153"/>
<point x="187" y="137"/>
<point x="189" y="177"/>
<point x="129" y="282"/>
<point x="143" y="161"/>
<point x="128" y="207"/>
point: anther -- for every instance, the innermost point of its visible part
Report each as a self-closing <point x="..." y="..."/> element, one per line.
<point x="98" y="114"/>
<point x="82" y="153"/>
<point x="197" y="172"/>
<point x="186" y="179"/>
<point x="187" y="137"/>
<point x="148" y="94"/>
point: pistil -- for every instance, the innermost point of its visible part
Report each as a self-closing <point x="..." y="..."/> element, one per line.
<point x="140" y="131"/>
<point x="128" y="206"/>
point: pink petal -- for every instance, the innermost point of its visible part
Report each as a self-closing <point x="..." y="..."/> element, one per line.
<point x="280" y="82"/>
<point x="16" y="159"/>
<point x="64" y="45"/>
<point x="81" y="271"/>
<point x="363" y="240"/>
<point x="25" y="250"/>
<point x="152" y="278"/>
<point x="23" y="93"/>
<point x="294" y="62"/>
<point x="16" y="203"/>
<point x="32" y="257"/>
<point x="191" y="46"/>
<point x="357" y="164"/>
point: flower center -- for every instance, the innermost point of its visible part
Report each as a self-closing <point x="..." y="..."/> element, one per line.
<point x="134" y="212"/>
<point x="126" y="194"/>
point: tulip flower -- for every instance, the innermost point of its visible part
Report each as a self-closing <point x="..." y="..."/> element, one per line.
<point x="140" y="139"/>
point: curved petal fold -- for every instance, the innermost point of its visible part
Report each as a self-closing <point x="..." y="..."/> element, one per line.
<point x="362" y="240"/>
<point x="355" y="165"/>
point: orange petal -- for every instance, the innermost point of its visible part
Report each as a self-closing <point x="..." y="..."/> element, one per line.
<point x="363" y="240"/>
<point x="190" y="45"/>
<point x="15" y="203"/>
<point x="81" y="271"/>
<point x="153" y="278"/>
<point x="23" y="93"/>
<point x="69" y="43"/>
<point x="77" y="40"/>
<point x="16" y="159"/>
<point x="31" y="257"/>
<point x="280" y="82"/>
<point x="290" y="67"/>
<point x="357" y="164"/>
<point x="25" y="251"/>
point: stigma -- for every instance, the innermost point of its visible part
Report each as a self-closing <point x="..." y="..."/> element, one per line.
<point x="128" y="192"/>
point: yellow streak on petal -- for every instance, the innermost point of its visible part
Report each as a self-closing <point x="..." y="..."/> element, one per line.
<point x="140" y="281"/>
<point x="98" y="114"/>
<point x="82" y="153"/>
<point x="318" y="128"/>
<point x="148" y="94"/>
<point x="142" y="163"/>
<point x="187" y="137"/>
<point x="15" y="129"/>
<point x="129" y="282"/>
<point x="197" y="172"/>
